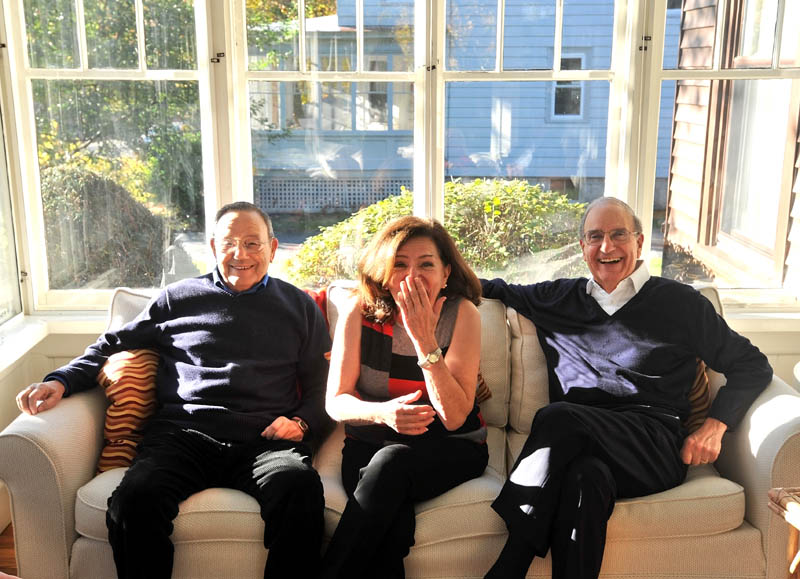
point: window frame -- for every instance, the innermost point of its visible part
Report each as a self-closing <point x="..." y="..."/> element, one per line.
<point x="635" y="76"/>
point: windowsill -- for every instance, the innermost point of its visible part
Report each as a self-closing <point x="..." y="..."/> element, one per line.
<point x="22" y="333"/>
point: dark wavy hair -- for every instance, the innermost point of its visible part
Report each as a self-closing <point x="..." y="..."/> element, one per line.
<point x="377" y="264"/>
<point x="245" y="206"/>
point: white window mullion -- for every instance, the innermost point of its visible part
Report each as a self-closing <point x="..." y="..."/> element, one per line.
<point x="360" y="36"/>
<point x="214" y="131"/>
<point x="301" y="43"/>
<point x="655" y="26"/>
<point x="238" y="102"/>
<point x="80" y="22"/>
<point x="558" y="35"/>
<point x="424" y="97"/>
<point x="776" y="46"/>
<point x="501" y="23"/>
<point x="719" y="37"/>
<point x="140" y="35"/>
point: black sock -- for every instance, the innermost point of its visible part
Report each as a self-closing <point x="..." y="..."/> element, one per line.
<point x="514" y="560"/>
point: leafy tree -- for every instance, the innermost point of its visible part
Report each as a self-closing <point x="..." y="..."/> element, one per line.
<point x="272" y="29"/>
<point x="511" y="227"/>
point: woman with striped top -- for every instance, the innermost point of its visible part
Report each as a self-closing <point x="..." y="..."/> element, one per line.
<point x="403" y="375"/>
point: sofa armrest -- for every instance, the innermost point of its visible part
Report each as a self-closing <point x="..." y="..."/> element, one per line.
<point x="44" y="459"/>
<point x="761" y="453"/>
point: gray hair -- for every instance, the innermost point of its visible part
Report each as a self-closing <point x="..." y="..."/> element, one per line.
<point x="637" y="223"/>
<point x="245" y="206"/>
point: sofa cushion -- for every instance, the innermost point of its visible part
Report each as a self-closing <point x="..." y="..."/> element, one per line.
<point x="495" y="361"/>
<point x="215" y="514"/>
<point x="705" y="504"/>
<point x="529" y="382"/>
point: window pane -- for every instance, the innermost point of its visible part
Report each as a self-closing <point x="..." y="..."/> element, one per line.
<point x="526" y="172"/>
<point x="567" y="99"/>
<point x="529" y="32"/>
<point x="790" y="43"/>
<point x="471" y="42"/>
<point x="331" y="38"/>
<point x="389" y="33"/>
<point x="695" y="47"/>
<point x="272" y="35"/>
<point x="169" y="33"/>
<point x="728" y="214"/>
<point x="52" y="35"/>
<point x="320" y="152"/>
<point x="589" y="25"/>
<point x="111" y="33"/>
<point x="754" y="160"/>
<point x="758" y="33"/>
<point x="10" y="304"/>
<point x="121" y="182"/>
<point x="672" y="32"/>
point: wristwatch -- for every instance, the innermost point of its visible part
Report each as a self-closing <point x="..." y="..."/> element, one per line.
<point x="430" y="359"/>
<point x="301" y="423"/>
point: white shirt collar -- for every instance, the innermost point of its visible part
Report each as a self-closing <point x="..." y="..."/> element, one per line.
<point x="623" y="293"/>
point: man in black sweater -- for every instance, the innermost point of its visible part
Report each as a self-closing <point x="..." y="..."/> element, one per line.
<point x="621" y="352"/>
<point x="240" y="390"/>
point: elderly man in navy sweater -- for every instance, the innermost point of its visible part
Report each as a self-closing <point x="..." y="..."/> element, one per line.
<point x="240" y="387"/>
<point x="621" y="352"/>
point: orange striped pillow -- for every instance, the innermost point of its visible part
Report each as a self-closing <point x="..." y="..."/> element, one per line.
<point x="699" y="399"/>
<point x="129" y="379"/>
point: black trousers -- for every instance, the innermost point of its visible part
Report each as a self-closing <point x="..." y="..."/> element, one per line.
<point x="575" y="463"/>
<point x="376" y="530"/>
<point x="173" y="463"/>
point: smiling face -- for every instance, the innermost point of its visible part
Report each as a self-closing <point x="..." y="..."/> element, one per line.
<point x="419" y="257"/>
<point x="242" y="269"/>
<point x="611" y="262"/>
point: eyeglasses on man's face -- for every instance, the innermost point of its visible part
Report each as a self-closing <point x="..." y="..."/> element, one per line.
<point x="596" y="236"/>
<point x="229" y="245"/>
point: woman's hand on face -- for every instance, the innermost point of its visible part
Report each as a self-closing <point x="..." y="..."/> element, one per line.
<point x="418" y="315"/>
<point x="404" y="417"/>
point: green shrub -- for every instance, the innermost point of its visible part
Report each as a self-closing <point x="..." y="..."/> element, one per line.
<point x="97" y="235"/>
<point x="497" y="225"/>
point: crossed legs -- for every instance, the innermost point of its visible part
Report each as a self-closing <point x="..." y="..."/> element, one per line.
<point x="575" y="463"/>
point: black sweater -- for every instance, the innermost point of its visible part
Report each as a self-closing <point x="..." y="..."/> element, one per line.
<point x="230" y="364"/>
<point x="644" y="355"/>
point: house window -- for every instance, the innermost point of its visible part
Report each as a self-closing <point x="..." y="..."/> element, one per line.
<point x="568" y="94"/>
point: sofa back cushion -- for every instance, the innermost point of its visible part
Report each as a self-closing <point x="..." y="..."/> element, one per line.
<point x="529" y="386"/>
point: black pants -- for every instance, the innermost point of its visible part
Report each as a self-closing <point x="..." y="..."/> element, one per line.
<point x="173" y="463"/>
<point x="376" y="530"/>
<point x="576" y="462"/>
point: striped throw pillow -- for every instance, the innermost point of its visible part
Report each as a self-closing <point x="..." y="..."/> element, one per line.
<point x="699" y="399"/>
<point x="129" y="380"/>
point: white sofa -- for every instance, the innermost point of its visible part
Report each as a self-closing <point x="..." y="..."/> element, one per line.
<point x="715" y="525"/>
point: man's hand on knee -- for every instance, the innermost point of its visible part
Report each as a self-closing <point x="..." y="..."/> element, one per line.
<point x="283" y="428"/>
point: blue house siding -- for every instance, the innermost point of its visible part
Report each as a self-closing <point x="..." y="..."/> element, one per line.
<point x="493" y="129"/>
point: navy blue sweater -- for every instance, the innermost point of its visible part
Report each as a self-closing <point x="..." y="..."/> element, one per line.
<point x="230" y="364"/>
<point x="644" y="355"/>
